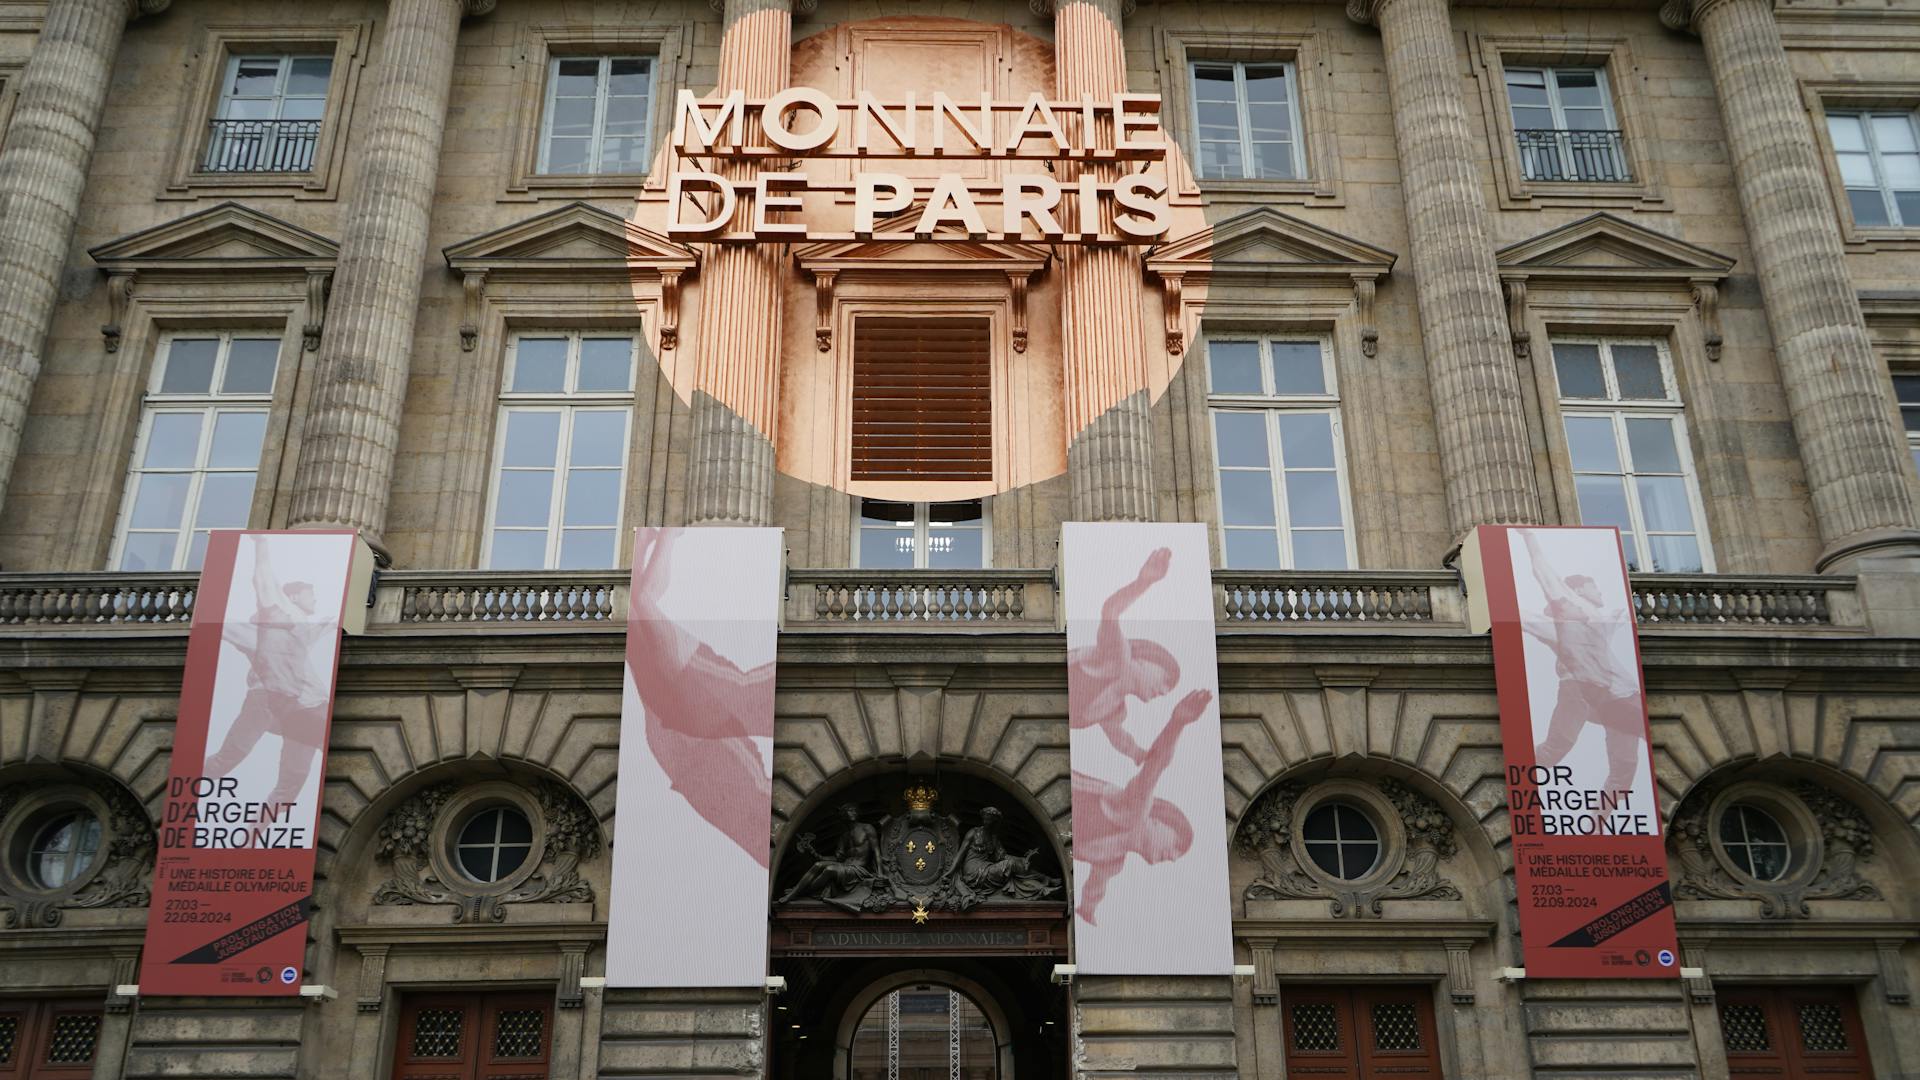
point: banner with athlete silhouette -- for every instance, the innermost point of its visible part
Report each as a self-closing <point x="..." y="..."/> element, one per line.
<point x="695" y="810"/>
<point x="233" y="879"/>
<point x="1149" y="803"/>
<point x="1589" y="861"/>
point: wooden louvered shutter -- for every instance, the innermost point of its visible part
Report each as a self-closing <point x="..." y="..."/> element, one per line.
<point x="922" y="399"/>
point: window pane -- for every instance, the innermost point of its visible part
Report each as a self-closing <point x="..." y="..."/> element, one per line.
<point x="1856" y="170"/>
<point x="1246" y="498"/>
<point x="1590" y="444"/>
<point x="1663" y="504"/>
<point x="1306" y="440"/>
<point x="1519" y="79"/>
<point x="965" y="512"/>
<point x="1869" y="207"/>
<point x="1252" y="549"/>
<point x="172" y="440"/>
<point x="593" y="497"/>
<point x="148" y="551"/>
<point x="623" y="155"/>
<point x="886" y="549"/>
<point x="1675" y="554"/>
<point x="1266" y="82"/>
<point x="1650" y="444"/>
<point x="540" y="365"/>
<point x="532" y="438"/>
<point x="606" y="365"/>
<point x="189" y="367"/>
<point x="568" y="155"/>
<point x="159" y="502"/>
<point x="576" y="78"/>
<point x="1297" y="368"/>
<point x="1636" y="369"/>
<point x="956" y="549"/>
<point x="1213" y="83"/>
<point x="525" y="498"/>
<point x="1530" y="118"/>
<point x="599" y="438"/>
<point x="515" y="550"/>
<point x="586" y="549"/>
<point x="1313" y="498"/>
<point x="1893" y="134"/>
<point x="1603" y="501"/>
<point x="1319" y="550"/>
<point x="225" y="499"/>
<point x="255" y="78"/>
<point x="1578" y="366"/>
<point x="309" y="76"/>
<point x="250" y="364"/>
<point x="572" y="116"/>
<point x="1908" y="203"/>
<point x="1845" y="133"/>
<point x="1221" y="161"/>
<point x="1242" y="438"/>
<point x="1907" y="389"/>
<point x="1901" y="170"/>
<point x="236" y="440"/>
<point x="879" y="512"/>
<point x="1235" y="367"/>
<point x="197" y="551"/>
<point x="627" y="76"/>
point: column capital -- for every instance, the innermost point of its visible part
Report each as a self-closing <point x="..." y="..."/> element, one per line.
<point x="1685" y="15"/>
<point x="137" y="8"/>
<point x="1365" y="12"/>
<point x="798" y="7"/>
<point x="1046" y="8"/>
<point x="474" y="8"/>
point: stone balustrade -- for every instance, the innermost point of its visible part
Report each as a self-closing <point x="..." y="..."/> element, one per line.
<point x="1278" y="601"/>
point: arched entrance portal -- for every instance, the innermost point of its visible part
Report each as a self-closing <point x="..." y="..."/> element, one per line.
<point x="917" y="924"/>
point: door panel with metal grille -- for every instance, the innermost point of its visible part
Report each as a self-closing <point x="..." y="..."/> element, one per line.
<point x="48" y="1040"/>
<point x="1793" y="1033"/>
<point x="1360" y="1033"/>
<point x="503" y="1036"/>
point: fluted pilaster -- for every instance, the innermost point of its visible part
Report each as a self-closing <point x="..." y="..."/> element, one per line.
<point x="43" y="173"/>
<point x="1836" y="389"/>
<point x="1478" y="409"/>
<point x="345" y="468"/>
<point x="1103" y="341"/>
<point x="736" y="396"/>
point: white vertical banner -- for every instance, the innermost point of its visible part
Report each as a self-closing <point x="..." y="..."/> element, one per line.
<point x="692" y="826"/>
<point x="1149" y="803"/>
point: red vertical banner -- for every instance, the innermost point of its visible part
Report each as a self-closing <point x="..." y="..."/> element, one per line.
<point x="1589" y="861"/>
<point x="695" y="813"/>
<point x="1149" y="795"/>
<point x="233" y="882"/>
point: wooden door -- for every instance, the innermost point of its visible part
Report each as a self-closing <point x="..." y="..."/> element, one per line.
<point x="1793" y="1033"/>
<point x="1360" y="1033"/>
<point x="499" y="1036"/>
<point x="48" y="1040"/>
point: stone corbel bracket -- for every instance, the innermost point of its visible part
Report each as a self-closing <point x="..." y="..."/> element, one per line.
<point x="823" y="309"/>
<point x="1266" y="249"/>
<point x="1603" y="254"/>
<point x="561" y="256"/>
<point x="225" y="253"/>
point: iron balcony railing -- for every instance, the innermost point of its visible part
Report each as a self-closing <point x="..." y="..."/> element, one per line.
<point x="261" y="146"/>
<point x="1590" y="156"/>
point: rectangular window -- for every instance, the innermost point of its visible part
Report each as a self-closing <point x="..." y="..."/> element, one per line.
<point x="598" y="112"/>
<point x="269" y="114"/>
<point x="1879" y="156"/>
<point x="560" y="463"/>
<point x="1907" y="389"/>
<point x="922" y="399"/>
<point x="1563" y="119"/>
<point x="921" y="536"/>
<point x="197" y="454"/>
<point x="1277" y="449"/>
<point x="1246" y="121"/>
<point x="1627" y="439"/>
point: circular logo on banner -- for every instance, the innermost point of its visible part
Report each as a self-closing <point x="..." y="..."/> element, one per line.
<point x="1642" y="957"/>
<point x="265" y="974"/>
<point x="1666" y="957"/>
<point x="289" y="974"/>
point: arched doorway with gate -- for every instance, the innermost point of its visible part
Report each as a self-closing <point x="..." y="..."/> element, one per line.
<point x="916" y="921"/>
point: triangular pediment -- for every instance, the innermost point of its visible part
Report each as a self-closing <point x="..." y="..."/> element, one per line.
<point x="1606" y="245"/>
<point x="1264" y="240"/>
<point x="221" y="235"/>
<point x="576" y="235"/>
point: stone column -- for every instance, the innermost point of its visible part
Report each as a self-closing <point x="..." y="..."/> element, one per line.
<point x="1102" y="336"/>
<point x="736" y="396"/>
<point x="1479" y="413"/>
<point x="1836" y="387"/>
<point x="345" y="468"/>
<point x="43" y="173"/>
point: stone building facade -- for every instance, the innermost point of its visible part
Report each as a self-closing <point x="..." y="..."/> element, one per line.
<point x="1422" y="254"/>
